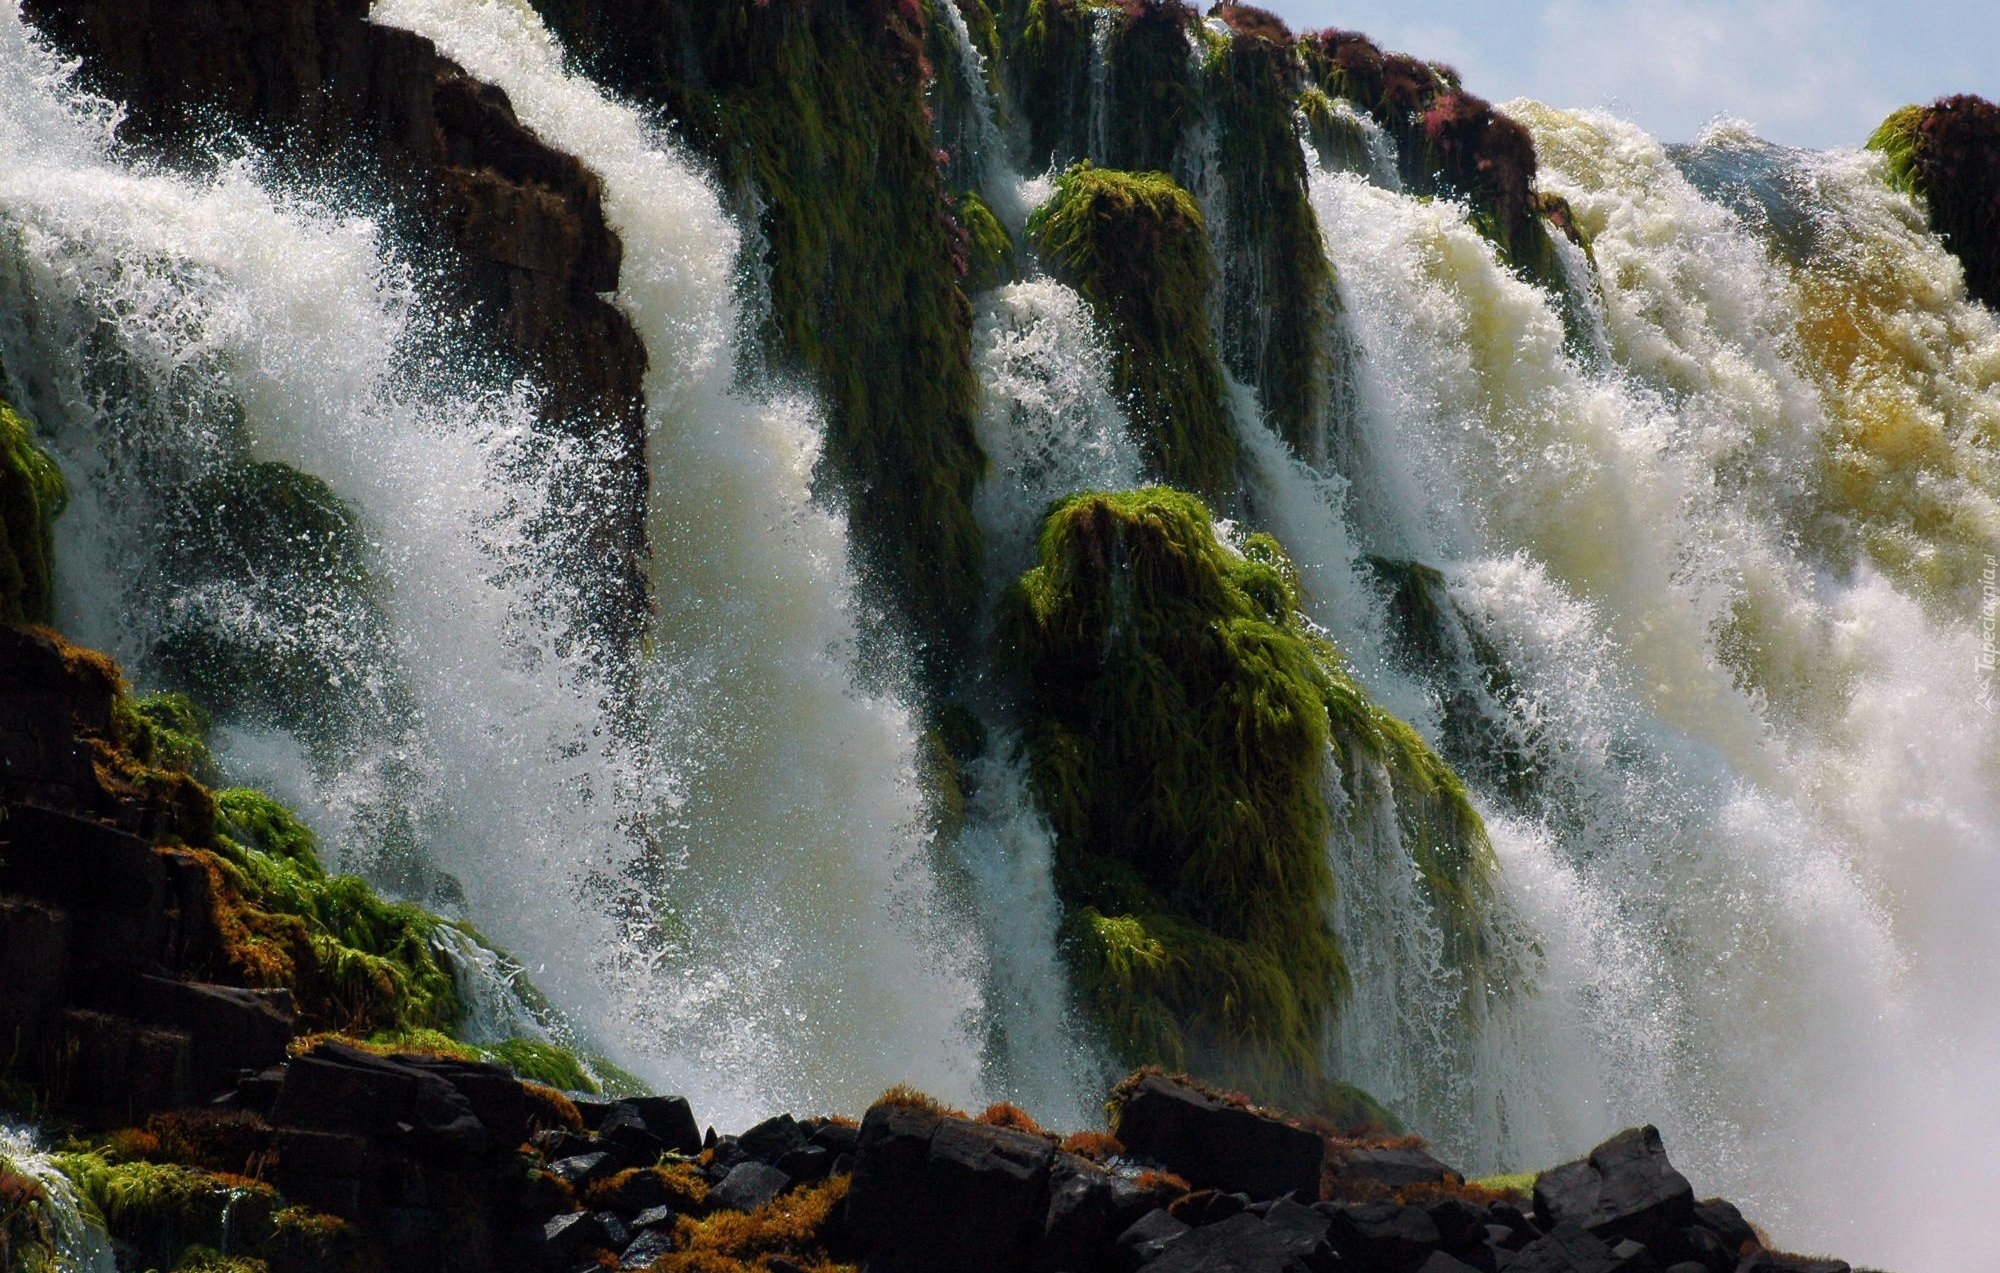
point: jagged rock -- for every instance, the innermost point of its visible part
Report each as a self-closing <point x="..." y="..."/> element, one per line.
<point x="1218" y="1145"/>
<point x="1568" y="1248"/>
<point x="1726" y="1223"/>
<point x="1150" y="1235"/>
<point x="338" y="1088"/>
<point x="1384" y="1234"/>
<point x="1088" y="1208"/>
<point x="1393" y="1168"/>
<point x="233" y="1030"/>
<point x="646" y="1248"/>
<point x="625" y="1128"/>
<point x="749" y="1186"/>
<point x="1626" y="1188"/>
<point x="1775" y="1262"/>
<point x="1244" y="1244"/>
<point x="1439" y="1262"/>
<point x="566" y="1237"/>
<point x="583" y="1168"/>
<point x="772" y="1139"/>
<point x="661" y="1217"/>
<point x="672" y="1120"/>
<point x="938" y="1193"/>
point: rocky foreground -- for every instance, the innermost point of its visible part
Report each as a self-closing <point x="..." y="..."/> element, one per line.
<point x="239" y="1082"/>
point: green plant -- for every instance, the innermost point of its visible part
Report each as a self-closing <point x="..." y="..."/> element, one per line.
<point x="1136" y="246"/>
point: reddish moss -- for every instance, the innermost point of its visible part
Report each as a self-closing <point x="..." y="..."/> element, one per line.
<point x="1011" y="1116"/>
<point x="1097" y="1147"/>
<point x="1949" y="154"/>
<point x="1249" y="20"/>
<point x="550" y="1110"/>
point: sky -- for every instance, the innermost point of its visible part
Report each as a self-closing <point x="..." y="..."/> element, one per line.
<point x="1819" y="73"/>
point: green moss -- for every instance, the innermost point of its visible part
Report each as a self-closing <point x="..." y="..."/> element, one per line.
<point x="32" y="494"/>
<point x="814" y="112"/>
<point x="990" y="258"/>
<point x="255" y="820"/>
<point x="1898" y="139"/>
<point x="168" y="731"/>
<point x="1180" y="714"/>
<point x="533" y="1060"/>
<point x="162" y="1210"/>
<point x="1519" y="1183"/>
<point x="1135" y="245"/>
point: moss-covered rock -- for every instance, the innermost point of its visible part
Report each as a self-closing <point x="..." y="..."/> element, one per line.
<point x="31" y="495"/>
<point x="1182" y="713"/>
<point x="274" y="614"/>
<point x="989" y="249"/>
<point x="1106" y="80"/>
<point x="1279" y="304"/>
<point x="1135" y="245"/>
<point x="814" y="111"/>
<point x="1449" y="142"/>
<point x="1948" y="155"/>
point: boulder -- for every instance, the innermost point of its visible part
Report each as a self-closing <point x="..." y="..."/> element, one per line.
<point x="937" y="1193"/>
<point x="1217" y="1145"/>
<point x="1384" y="1235"/>
<point x="748" y="1186"/>
<point x="233" y="1030"/>
<point x="649" y="1246"/>
<point x="1777" y="1262"/>
<point x="339" y="1088"/>
<point x="670" y="1118"/>
<point x="1088" y="1208"/>
<point x="1568" y="1248"/>
<point x="1626" y="1188"/>
<point x="1244" y="1244"/>
<point x="568" y="1237"/>
<point x="1150" y="1235"/>
<point x="1393" y="1168"/>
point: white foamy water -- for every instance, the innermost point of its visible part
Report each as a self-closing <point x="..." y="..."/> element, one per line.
<point x="1734" y="876"/>
<point x="723" y="875"/>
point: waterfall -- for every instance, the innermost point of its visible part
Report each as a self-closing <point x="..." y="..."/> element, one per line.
<point x="764" y="944"/>
<point x="65" y="1225"/>
<point x="1741" y="886"/>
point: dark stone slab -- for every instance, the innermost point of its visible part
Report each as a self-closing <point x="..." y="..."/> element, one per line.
<point x="1217" y="1145"/>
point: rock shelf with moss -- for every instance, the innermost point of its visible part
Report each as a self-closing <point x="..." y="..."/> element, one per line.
<point x="1136" y="246"/>
<point x="1948" y="155"/>
<point x="1182" y="717"/>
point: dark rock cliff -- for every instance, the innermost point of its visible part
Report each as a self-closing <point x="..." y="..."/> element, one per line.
<point x="525" y="248"/>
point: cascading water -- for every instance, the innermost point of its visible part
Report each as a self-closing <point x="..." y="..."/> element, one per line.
<point x="67" y="1231"/>
<point x="804" y="961"/>
<point x="1719" y="655"/>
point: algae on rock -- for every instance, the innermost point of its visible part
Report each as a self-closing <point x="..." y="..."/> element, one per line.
<point x="32" y="494"/>
<point x="1136" y="246"/>
<point x="1182" y="716"/>
<point x="814" y="112"/>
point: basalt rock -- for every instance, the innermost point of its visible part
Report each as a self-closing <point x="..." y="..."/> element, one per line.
<point x="1216" y="1144"/>
<point x="1626" y="1188"/>
<point x="518" y="227"/>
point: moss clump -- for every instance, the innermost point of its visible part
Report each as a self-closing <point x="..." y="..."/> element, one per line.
<point x="1181" y="712"/>
<point x="814" y="111"/>
<point x="797" y="1227"/>
<point x="1178" y="734"/>
<point x="1135" y="245"/>
<point x="989" y="250"/>
<point x="1948" y="155"/>
<point x="162" y="1210"/>
<point x="32" y="493"/>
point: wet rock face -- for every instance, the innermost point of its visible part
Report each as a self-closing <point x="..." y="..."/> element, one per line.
<point x="1217" y="1145"/>
<point x="518" y="225"/>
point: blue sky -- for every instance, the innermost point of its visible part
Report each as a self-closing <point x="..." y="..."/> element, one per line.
<point x="1806" y="72"/>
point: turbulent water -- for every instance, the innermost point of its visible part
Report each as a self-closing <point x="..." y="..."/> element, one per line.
<point x="1731" y="530"/>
